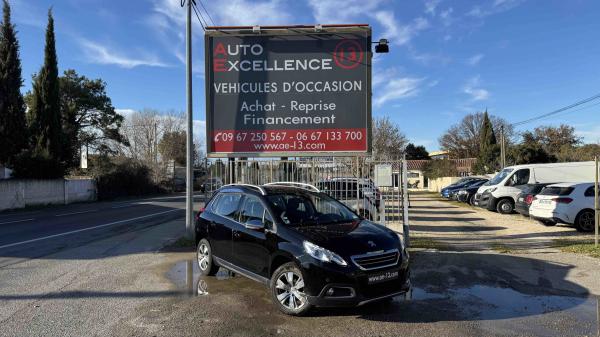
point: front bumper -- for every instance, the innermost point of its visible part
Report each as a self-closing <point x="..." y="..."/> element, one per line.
<point x="350" y="284"/>
<point x="488" y="201"/>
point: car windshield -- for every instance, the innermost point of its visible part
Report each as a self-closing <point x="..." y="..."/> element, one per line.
<point x="309" y="209"/>
<point x="500" y="176"/>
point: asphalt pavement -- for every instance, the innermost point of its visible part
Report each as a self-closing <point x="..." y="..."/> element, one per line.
<point x="110" y="269"/>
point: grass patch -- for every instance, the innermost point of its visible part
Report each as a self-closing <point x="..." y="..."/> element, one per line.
<point x="501" y="248"/>
<point x="577" y="247"/>
<point x="183" y="242"/>
<point x="423" y="242"/>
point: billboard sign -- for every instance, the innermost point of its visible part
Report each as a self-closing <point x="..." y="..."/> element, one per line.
<point x="288" y="92"/>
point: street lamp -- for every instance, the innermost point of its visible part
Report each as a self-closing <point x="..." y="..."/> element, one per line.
<point x="382" y="46"/>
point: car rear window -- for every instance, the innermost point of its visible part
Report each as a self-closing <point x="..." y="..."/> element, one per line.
<point x="555" y="190"/>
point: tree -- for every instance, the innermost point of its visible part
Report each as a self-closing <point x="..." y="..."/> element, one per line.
<point x="13" y="135"/>
<point x="489" y="151"/>
<point x="578" y="153"/>
<point x="416" y="152"/>
<point x="440" y="168"/>
<point x="172" y="146"/>
<point x="462" y="140"/>
<point x="88" y="116"/>
<point x="44" y="112"/>
<point x="388" y="140"/>
<point x="553" y="139"/>
<point x="529" y="153"/>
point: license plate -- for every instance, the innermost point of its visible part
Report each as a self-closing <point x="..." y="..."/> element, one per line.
<point x="545" y="202"/>
<point x="383" y="277"/>
<point x="520" y="200"/>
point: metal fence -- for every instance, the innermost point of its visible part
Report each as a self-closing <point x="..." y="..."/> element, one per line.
<point x="352" y="180"/>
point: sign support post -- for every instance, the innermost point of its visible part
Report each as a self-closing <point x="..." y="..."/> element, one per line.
<point x="189" y="199"/>
<point x="405" y="225"/>
<point x="596" y="207"/>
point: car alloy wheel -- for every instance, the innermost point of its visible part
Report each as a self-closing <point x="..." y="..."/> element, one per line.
<point x="290" y="290"/>
<point x="203" y="256"/>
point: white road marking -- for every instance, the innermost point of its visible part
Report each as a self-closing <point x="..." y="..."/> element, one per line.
<point x="122" y="206"/>
<point x="81" y="212"/>
<point x="15" y="221"/>
<point x="88" y="229"/>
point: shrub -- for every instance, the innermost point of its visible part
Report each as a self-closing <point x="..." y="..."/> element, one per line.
<point x="124" y="178"/>
<point x="29" y="165"/>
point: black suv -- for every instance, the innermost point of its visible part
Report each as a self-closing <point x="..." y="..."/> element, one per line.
<point x="310" y="249"/>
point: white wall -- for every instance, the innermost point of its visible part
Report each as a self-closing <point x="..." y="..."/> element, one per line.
<point x="436" y="185"/>
<point x="22" y="193"/>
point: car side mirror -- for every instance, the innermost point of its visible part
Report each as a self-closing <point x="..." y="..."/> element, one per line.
<point x="254" y="224"/>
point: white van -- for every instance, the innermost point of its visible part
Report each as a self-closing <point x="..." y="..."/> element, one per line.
<point x="501" y="191"/>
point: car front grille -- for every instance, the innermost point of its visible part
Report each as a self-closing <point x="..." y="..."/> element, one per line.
<point x="373" y="261"/>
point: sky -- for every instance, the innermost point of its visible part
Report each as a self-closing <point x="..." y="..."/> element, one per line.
<point x="448" y="58"/>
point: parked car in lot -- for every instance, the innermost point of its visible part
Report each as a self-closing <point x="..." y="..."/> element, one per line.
<point x="566" y="203"/>
<point x="361" y="195"/>
<point x="467" y="193"/>
<point x="308" y="248"/>
<point x="211" y="184"/>
<point x="525" y="199"/>
<point x="501" y="194"/>
<point x="449" y="191"/>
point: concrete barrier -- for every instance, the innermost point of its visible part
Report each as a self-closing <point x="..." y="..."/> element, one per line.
<point x="16" y="194"/>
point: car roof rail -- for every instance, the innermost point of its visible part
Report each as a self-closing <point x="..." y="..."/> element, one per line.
<point x="294" y="184"/>
<point x="260" y="189"/>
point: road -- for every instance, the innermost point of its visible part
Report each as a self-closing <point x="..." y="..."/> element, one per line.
<point x="36" y="233"/>
<point x="108" y="269"/>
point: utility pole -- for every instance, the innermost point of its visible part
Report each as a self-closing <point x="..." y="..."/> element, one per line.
<point x="189" y="200"/>
<point x="502" y="148"/>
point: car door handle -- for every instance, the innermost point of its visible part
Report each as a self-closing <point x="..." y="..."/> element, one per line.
<point x="236" y="234"/>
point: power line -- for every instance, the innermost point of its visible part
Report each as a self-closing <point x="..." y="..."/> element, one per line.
<point x="207" y="13"/>
<point x="202" y="21"/>
<point x="568" y="107"/>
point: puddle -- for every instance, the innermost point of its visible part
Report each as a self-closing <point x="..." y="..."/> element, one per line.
<point x="185" y="275"/>
<point x="494" y="307"/>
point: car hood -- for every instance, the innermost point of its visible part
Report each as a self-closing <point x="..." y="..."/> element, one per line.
<point x="351" y="238"/>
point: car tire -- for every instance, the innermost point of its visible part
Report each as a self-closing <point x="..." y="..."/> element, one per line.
<point x="287" y="290"/>
<point x="505" y="206"/>
<point x="471" y="200"/>
<point x="584" y="222"/>
<point x="204" y="258"/>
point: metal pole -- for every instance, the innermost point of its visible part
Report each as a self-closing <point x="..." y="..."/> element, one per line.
<point x="502" y="148"/>
<point x="405" y="227"/>
<point x="596" y="207"/>
<point x="189" y="202"/>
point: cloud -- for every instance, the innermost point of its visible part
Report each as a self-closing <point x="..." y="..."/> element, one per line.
<point x="498" y="6"/>
<point x="473" y="89"/>
<point x="475" y="59"/>
<point x="100" y="54"/>
<point x="397" y="88"/>
<point x="590" y="135"/>
<point x="329" y="11"/>
<point x="430" y="6"/>
<point x="248" y="13"/>
<point x="446" y="16"/>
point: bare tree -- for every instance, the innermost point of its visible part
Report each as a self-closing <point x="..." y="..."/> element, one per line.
<point x="388" y="141"/>
<point x="463" y="139"/>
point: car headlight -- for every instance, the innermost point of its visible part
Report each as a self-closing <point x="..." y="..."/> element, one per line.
<point x="462" y="192"/>
<point x="323" y="254"/>
<point x="492" y="190"/>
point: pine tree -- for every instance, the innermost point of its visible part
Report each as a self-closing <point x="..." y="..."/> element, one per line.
<point x="13" y="135"/>
<point x="45" y="115"/>
<point x="487" y="161"/>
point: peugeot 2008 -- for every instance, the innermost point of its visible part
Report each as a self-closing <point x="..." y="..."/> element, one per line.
<point x="308" y="248"/>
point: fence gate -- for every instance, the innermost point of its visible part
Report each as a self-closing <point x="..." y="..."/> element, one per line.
<point x="373" y="188"/>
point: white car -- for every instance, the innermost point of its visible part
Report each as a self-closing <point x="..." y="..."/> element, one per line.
<point x="569" y="203"/>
